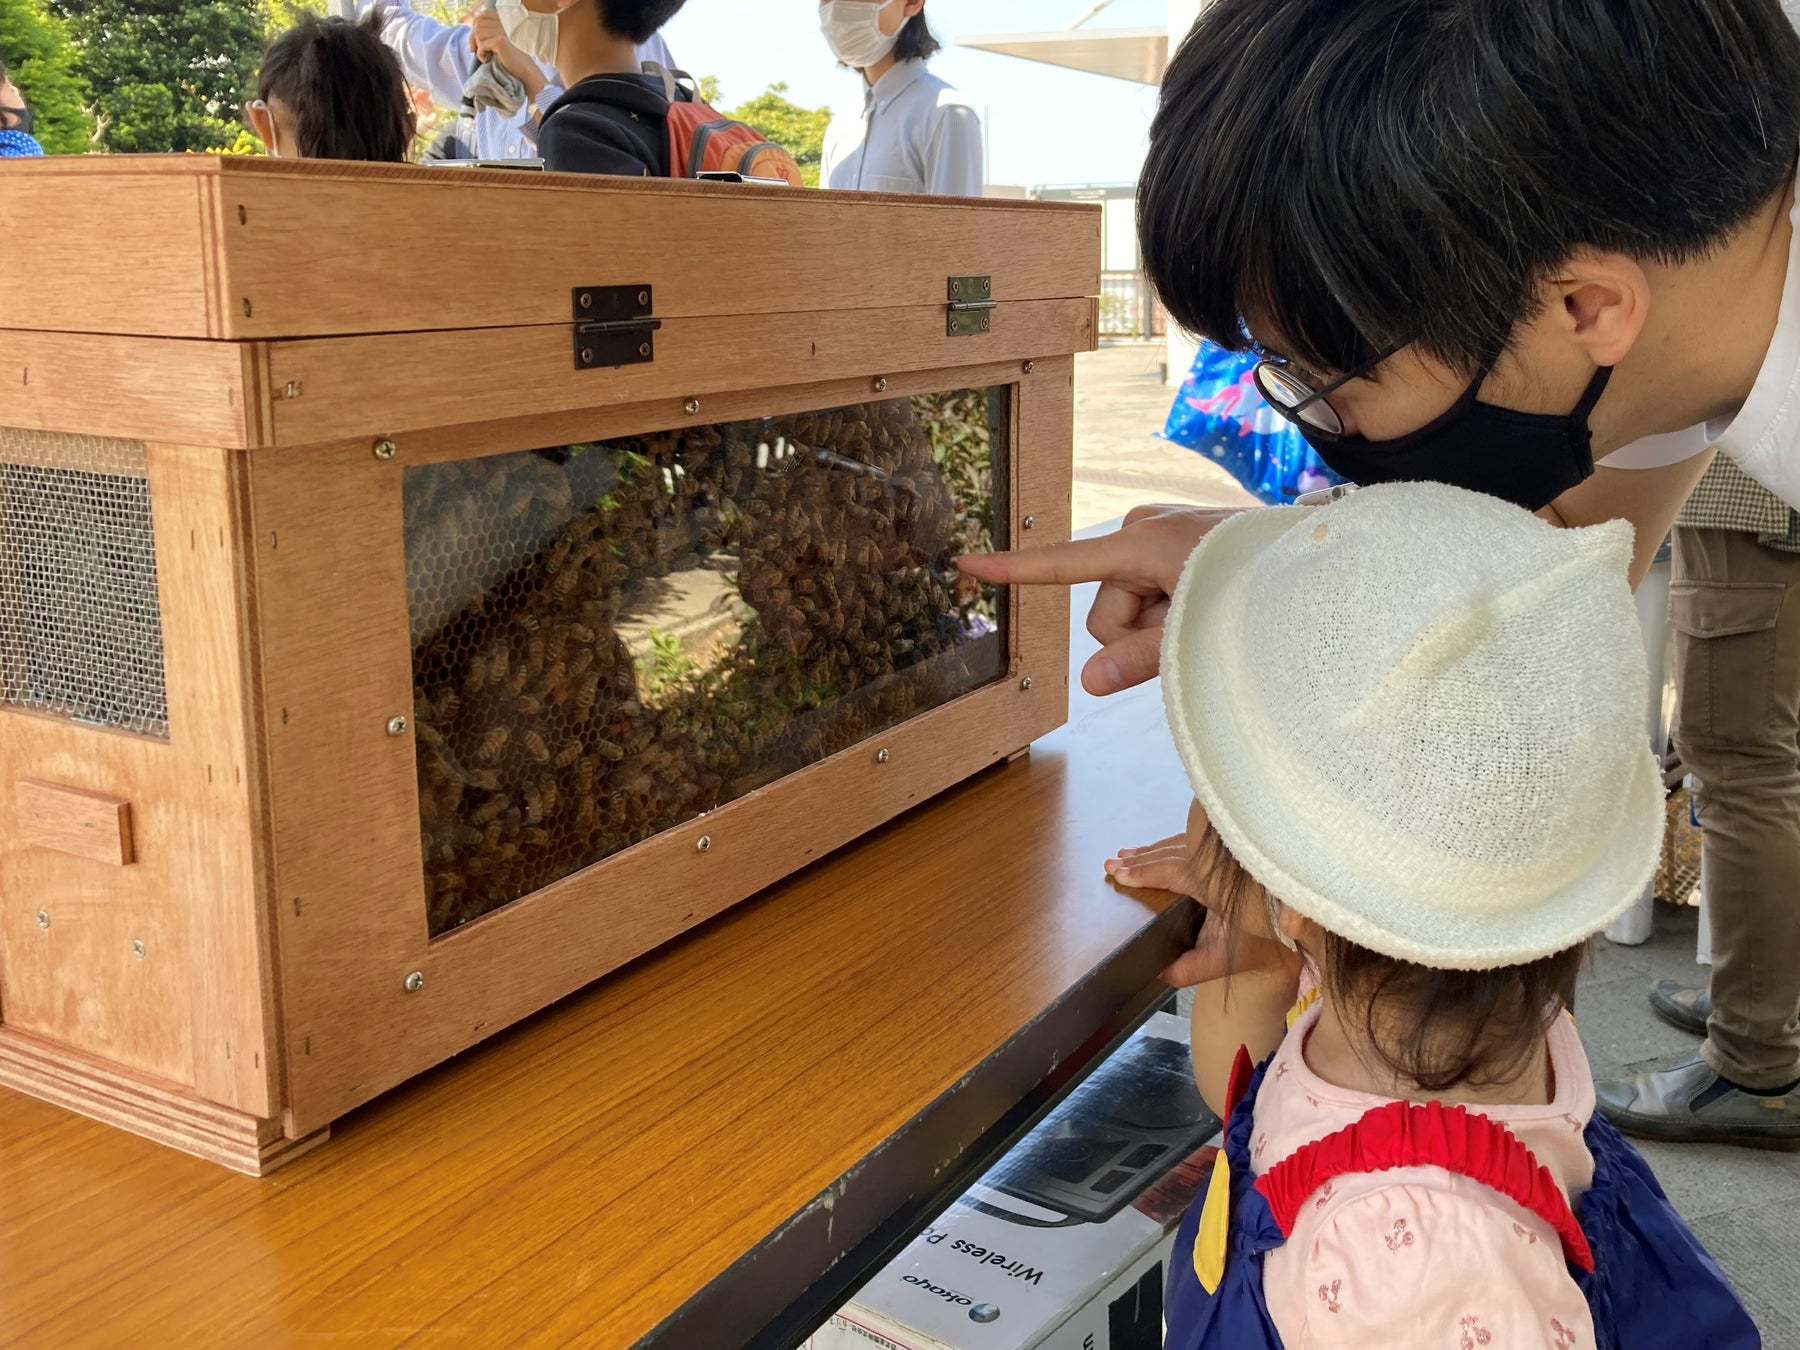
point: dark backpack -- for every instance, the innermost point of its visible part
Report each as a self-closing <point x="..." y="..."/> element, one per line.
<point x="703" y="140"/>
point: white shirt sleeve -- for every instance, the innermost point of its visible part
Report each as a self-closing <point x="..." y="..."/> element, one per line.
<point x="657" y="50"/>
<point x="1656" y="452"/>
<point x="953" y="166"/>
<point x="433" y="55"/>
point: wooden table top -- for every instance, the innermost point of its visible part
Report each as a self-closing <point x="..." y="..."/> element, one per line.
<point x="689" y="1144"/>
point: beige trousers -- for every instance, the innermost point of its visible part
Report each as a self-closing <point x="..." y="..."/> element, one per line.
<point x="1735" y="605"/>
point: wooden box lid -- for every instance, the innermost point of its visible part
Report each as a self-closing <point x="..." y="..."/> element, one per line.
<point x="221" y="247"/>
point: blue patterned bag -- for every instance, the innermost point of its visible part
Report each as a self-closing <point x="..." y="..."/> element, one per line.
<point x="1220" y="414"/>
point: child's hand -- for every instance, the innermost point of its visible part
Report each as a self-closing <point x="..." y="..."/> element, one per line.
<point x="1169" y="865"/>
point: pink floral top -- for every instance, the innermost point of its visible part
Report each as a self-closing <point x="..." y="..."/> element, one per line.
<point x="1418" y="1256"/>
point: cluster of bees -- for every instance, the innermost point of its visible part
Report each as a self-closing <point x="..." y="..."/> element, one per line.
<point x="540" y="750"/>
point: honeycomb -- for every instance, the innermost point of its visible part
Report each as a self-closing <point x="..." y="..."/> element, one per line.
<point x="611" y="639"/>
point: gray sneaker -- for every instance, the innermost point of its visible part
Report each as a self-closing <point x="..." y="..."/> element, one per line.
<point x="1692" y="1104"/>
<point x="1681" y="1005"/>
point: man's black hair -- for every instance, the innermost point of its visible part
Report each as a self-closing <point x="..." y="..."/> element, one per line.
<point x="343" y="85"/>
<point x="638" y="20"/>
<point x="917" y="42"/>
<point x="1351" y="175"/>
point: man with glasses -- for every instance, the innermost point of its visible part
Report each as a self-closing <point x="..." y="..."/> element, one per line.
<point x="1537" y="248"/>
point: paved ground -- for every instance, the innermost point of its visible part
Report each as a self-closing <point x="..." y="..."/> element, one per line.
<point x="1744" y="1204"/>
<point x="1120" y="405"/>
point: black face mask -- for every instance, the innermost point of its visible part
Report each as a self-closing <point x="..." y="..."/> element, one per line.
<point x="16" y="119"/>
<point x="1529" y="459"/>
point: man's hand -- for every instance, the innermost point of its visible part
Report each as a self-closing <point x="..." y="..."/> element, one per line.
<point x="487" y="37"/>
<point x="1137" y="568"/>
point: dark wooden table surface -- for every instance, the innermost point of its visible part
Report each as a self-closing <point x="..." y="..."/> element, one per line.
<point x="709" y="1148"/>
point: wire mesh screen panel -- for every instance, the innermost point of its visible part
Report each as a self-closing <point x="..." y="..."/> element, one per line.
<point x="80" y="629"/>
<point x="610" y="639"/>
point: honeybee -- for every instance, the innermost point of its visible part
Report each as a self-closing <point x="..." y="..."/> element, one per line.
<point x="536" y="747"/>
<point x="570" y="752"/>
<point x="492" y="744"/>
<point x="490" y="810"/>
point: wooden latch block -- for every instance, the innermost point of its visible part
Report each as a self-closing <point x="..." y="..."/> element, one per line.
<point x="86" y="824"/>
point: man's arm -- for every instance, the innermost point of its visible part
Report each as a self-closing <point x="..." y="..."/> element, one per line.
<point x="1649" y="498"/>
<point x="433" y="55"/>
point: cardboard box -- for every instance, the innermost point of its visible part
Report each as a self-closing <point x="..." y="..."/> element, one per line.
<point x="1064" y="1244"/>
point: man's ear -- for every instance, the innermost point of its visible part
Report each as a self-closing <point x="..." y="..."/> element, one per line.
<point x="1600" y="301"/>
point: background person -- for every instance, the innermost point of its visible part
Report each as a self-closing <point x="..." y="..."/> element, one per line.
<point x="1735" y="605"/>
<point x="916" y="134"/>
<point x="16" y="140"/>
<point x="330" y="89"/>
<point x="441" y="58"/>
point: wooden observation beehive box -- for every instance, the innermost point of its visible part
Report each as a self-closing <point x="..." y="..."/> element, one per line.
<point x="422" y="592"/>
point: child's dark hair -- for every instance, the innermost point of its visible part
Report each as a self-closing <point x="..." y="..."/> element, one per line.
<point x="1437" y="1028"/>
<point x="344" y="88"/>
<point x="638" y="20"/>
<point x="917" y="42"/>
<point x="1351" y="177"/>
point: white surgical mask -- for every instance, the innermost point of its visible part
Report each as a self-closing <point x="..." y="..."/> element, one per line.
<point x="533" y="34"/>
<point x="852" y="30"/>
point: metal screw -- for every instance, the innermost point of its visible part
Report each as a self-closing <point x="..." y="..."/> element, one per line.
<point x="292" y="389"/>
<point x="987" y="284"/>
<point x="1030" y="366"/>
<point x="881" y="385"/>
<point x="1030" y="522"/>
<point x="397" y="725"/>
<point x="691" y="407"/>
<point x="882" y="756"/>
<point x="587" y="356"/>
<point x="703" y="844"/>
<point x="587" y="300"/>
<point x="643" y="349"/>
<point x="415" y="981"/>
<point x="44" y="918"/>
<point x="1025" y="683"/>
<point x="384" y="449"/>
<point x="956" y="288"/>
<point x="137" y="949"/>
<point x="643" y="297"/>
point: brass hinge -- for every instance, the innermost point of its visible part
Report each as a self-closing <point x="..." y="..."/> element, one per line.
<point x="971" y="306"/>
<point x="613" y="326"/>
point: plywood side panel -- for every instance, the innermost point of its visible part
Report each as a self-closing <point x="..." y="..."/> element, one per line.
<point x="108" y="249"/>
<point x="291" y="272"/>
<point x="199" y="545"/>
<point x="395" y="383"/>
<point x="336" y="665"/>
<point x="132" y="387"/>
<point x="75" y="976"/>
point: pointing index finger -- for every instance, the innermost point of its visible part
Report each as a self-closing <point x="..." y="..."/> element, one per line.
<point x="1070" y="564"/>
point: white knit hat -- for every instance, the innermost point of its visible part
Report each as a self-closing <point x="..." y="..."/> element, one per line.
<point x="1416" y="716"/>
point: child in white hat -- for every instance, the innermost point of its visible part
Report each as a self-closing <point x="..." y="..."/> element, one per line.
<point x="1413" y="722"/>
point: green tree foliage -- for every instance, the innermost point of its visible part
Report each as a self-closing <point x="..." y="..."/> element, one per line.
<point x="166" y="74"/>
<point x="35" y="46"/>
<point x="801" y="130"/>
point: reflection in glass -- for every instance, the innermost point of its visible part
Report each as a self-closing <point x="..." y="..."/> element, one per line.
<point x="610" y="639"/>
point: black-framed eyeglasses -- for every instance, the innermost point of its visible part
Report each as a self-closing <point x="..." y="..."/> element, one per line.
<point x="1297" y="400"/>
